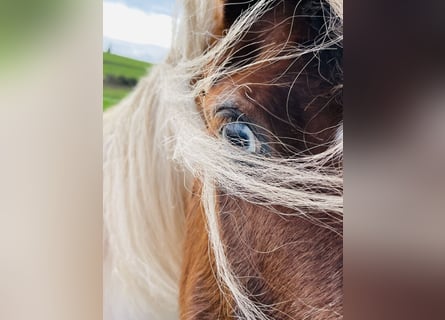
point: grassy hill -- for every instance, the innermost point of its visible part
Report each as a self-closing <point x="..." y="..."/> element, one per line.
<point x="120" y="75"/>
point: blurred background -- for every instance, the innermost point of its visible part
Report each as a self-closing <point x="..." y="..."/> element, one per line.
<point x="136" y="35"/>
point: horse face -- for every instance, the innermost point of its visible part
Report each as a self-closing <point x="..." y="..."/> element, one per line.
<point x="277" y="106"/>
<point x="290" y="104"/>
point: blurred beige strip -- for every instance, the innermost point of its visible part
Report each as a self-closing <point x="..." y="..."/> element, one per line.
<point x="51" y="174"/>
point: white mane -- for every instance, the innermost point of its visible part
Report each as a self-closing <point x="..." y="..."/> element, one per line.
<point x="155" y="145"/>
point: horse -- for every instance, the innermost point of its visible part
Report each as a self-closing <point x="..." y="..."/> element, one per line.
<point x="223" y="188"/>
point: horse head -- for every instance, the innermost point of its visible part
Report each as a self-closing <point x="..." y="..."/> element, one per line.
<point x="223" y="169"/>
<point x="275" y="93"/>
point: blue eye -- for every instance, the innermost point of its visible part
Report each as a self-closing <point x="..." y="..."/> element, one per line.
<point x="239" y="134"/>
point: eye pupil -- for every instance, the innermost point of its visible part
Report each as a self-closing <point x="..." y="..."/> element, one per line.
<point x="236" y="137"/>
<point x="240" y="135"/>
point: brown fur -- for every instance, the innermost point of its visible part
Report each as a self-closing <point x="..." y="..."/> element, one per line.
<point x="200" y="296"/>
<point x="290" y="264"/>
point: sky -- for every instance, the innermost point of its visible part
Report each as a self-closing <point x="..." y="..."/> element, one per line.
<point x="139" y="29"/>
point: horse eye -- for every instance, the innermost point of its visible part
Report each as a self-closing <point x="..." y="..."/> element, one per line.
<point x="240" y="135"/>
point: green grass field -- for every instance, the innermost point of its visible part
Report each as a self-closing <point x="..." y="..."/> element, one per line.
<point x="112" y="95"/>
<point x="116" y="66"/>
